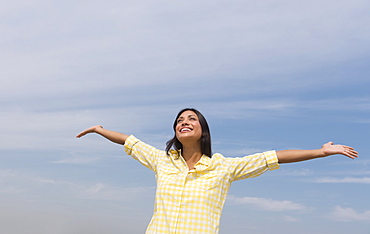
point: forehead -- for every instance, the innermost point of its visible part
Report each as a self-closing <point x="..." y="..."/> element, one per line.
<point x="187" y="114"/>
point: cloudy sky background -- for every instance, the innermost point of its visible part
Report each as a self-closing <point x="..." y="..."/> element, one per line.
<point x="266" y="74"/>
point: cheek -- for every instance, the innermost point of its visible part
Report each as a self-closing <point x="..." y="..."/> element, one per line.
<point x="177" y="129"/>
<point x="199" y="127"/>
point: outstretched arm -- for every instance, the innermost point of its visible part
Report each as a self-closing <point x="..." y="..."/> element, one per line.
<point x="113" y="136"/>
<point x="289" y="156"/>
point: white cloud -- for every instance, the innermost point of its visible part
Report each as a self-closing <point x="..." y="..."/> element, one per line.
<point x="334" y="104"/>
<point x="102" y="191"/>
<point x="57" y="130"/>
<point x="95" y="189"/>
<point x="129" y="44"/>
<point x="7" y="173"/>
<point x="22" y="217"/>
<point x="11" y="190"/>
<point x="69" y="206"/>
<point x="86" y="160"/>
<point x="290" y="219"/>
<point x="364" y="180"/>
<point x="342" y="214"/>
<point x="24" y="184"/>
<point x="267" y="204"/>
<point x="27" y="129"/>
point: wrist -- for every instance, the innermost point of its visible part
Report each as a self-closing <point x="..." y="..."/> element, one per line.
<point x="324" y="153"/>
<point x="98" y="128"/>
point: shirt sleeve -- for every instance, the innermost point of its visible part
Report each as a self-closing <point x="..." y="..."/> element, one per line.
<point x="253" y="165"/>
<point x="144" y="153"/>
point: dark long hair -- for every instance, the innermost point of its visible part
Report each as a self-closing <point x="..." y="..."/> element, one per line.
<point x="205" y="138"/>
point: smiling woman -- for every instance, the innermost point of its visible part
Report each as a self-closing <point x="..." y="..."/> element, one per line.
<point x="190" y="120"/>
<point x="192" y="183"/>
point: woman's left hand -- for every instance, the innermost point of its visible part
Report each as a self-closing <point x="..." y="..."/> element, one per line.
<point x="330" y="149"/>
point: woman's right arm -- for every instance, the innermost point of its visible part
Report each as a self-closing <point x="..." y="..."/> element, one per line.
<point x="113" y="136"/>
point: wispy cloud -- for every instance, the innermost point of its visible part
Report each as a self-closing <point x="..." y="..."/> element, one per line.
<point x="290" y="219"/>
<point x="11" y="190"/>
<point x="343" y="214"/>
<point x="267" y="204"/>
<point x="183" y="43"/>
<point x="13" y="182"/>
<point x="35" y="130"/>
<point x="85" y="160"/>
<point x="335" y="104"/>
<point x="107" y="192"/>
<point x="364" y="180"/>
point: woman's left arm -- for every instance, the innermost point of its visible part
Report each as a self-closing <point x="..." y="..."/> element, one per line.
<point x="289" y="156"/>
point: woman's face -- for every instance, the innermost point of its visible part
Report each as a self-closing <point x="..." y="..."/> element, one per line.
<point x="188" y="127"/>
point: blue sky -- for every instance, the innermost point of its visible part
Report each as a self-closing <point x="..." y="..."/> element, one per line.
<point x="267" y="75"/>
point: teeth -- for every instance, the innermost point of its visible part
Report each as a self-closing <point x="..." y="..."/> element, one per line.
<point x="185" y="129"/>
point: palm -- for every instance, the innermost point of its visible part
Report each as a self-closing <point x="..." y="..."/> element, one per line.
<point x="87" y="131"/>
<point x="330" y="149"/>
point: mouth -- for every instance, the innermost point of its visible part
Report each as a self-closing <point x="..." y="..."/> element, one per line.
<point x="186" y="130"/>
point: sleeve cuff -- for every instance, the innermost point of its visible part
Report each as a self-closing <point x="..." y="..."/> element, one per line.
<point x="272" y="160"/>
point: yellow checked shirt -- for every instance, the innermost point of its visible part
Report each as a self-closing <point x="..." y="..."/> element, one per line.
<point x="191" y="201"/>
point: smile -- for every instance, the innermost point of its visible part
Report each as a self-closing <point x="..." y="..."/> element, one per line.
<point x="186" y="130"/>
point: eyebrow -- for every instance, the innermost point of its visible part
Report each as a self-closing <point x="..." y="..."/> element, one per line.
<point x="188" y="116"/>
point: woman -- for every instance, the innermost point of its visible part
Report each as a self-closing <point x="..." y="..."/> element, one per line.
<point x="192" y="184"/>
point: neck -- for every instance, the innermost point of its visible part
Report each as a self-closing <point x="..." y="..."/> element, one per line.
<point x="191" y="153"/>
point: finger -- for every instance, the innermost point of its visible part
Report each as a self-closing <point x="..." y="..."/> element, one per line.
<point x="348" y="155"/>
<point x="81" y="134"/>
<point x="354" y="153"/>
<point x="348" y="147"/>
<point x="351" y="153"/>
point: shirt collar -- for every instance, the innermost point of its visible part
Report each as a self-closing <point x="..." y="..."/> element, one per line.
<point x="175" y="153"/>
<point x="202" y="164"/>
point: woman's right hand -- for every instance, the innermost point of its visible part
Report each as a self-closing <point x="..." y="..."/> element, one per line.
<point x="92" y="129"/>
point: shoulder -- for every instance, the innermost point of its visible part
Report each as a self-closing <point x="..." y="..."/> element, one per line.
<point x="217" y="156"/>
<point x="217" y="160"/>
<point x="134" y="144"/>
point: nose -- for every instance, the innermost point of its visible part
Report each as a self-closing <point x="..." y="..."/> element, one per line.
<point x="184" y="123"/>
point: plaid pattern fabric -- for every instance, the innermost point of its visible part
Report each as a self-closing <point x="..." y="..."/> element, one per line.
<point x="191" y="201"/>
